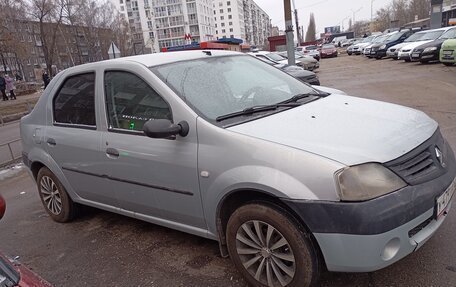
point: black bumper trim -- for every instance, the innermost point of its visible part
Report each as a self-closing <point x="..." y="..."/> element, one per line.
<point x="375" y="216"/>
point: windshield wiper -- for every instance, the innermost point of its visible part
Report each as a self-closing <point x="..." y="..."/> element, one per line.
<point x="255" y="109"/>
<point x="291" y="103"/>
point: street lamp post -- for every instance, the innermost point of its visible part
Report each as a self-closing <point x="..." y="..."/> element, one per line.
<point x="354" y="21"/>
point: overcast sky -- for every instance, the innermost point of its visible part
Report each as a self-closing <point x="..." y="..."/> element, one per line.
<point x="327" y="12"/>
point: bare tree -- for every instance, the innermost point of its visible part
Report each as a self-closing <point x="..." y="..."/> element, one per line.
<point x="311" y="29"/>
<point x="49" y="14"/>
<point x="10" y="38"/>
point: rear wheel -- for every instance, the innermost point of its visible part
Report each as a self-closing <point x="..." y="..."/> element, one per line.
<point x="54" y="197"/>
<point x="407" y="60"/>
<point x="270" y="249"/>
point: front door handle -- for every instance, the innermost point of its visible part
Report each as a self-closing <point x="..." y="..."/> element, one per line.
<point x="51" y="142"/>
<point x="112" y="152"/>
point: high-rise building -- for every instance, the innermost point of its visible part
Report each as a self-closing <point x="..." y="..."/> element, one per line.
<point x="156" y="24"/>
<point x="242" y="19"/>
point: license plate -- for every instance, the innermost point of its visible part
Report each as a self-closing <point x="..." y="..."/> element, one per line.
<point x="416" y="55"/>
<point x="448" y="57"/>
<point x="445" y="198"/>
<point x="448" y="53"/>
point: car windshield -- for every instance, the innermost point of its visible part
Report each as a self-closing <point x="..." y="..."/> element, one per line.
<point x="450" y="34"/>
<point x="275" y="57"/>
<point x="217" y="86"/>
<point x="414" y="37"/>
<point x="381" y="39"/>
<point x="329" y="47"/>
<point x="309" y="48"/>
<point x="395" y="36"/>
<point x="432" y="35"/>
<point x="367" y="40"/>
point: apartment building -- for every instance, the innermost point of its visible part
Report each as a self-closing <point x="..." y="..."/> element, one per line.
<point x="157" y="24"/>
<point x="242" y="19"/>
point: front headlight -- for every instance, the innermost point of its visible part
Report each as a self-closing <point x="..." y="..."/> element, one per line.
<point x="430" y="49"/>
<point x="367" y="181"/>
<point x="382" y="47"/>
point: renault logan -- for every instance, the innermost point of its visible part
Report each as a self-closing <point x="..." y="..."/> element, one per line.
<point x="287" y="178"/>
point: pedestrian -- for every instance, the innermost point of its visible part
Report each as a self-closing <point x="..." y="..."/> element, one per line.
<point x="46" y="79"/>
<point x="3" y="87"/>
<point x="10" y="86"/>
<point x="18" y="77"/>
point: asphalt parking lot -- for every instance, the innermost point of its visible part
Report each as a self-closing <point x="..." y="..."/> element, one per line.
<point x="104" y="249"/>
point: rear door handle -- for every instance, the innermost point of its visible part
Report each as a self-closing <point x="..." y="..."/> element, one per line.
<point x="112" y="152"/>
<point x="51" y="142"/>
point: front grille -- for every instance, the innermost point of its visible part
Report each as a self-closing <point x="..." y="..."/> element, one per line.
<point x="393" y="50"/>
<point x="421" y="164"/>
<point x="420" y="227"/>
<point x="405" y="51"/>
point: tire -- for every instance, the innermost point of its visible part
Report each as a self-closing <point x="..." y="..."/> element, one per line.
<point x="448" y="64"/>
<point x="424" y="62"/>
<point x="349" y="54"/>
<point x="54" y="197"/>
<point x="408" y="60"/>
<point x="299" y="257"/>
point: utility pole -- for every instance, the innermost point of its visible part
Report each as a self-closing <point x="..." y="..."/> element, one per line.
<point x="298" y="34"/>
<point x="297" y="27"/>
<point x="289" y="31"/>
<point x="354" y="14"/>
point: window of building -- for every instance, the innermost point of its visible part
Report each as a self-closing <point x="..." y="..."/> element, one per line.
<point x="131" y="102"/>
<point x="229" y="10"/>
<point x="230" y="17"/>
<point x="221" y="10"/>
<point x="75" y="102"/>
<point x="228" y="3"/>
<point x="222" y="18"/>
<point x="222" y="24"/>
<point x="231" y="29"/>
<point x="223" y="31"/>
<point x="121" y="1"/>
<point x="230" y="23"/>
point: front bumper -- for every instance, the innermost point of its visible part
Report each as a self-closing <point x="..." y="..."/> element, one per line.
<point x="403" y="55"/>
<point x="370" y="235"/>
<point x="449" y="58"/>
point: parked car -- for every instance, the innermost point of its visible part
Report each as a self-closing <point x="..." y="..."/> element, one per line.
<point x="328" y="51"/>
<point x="295" y="71"/>
<point x="307" y="62"/>
<point x="350" y="50"/>
<point x="379" y="40"/>
<point x="448" y="52"/>
<point x="428" y="36"/>
<point x="431" y="51"/>
<point x="286" y="177"/>
<point x="393" y="52"/>
<point x="14" y="274"/>
<point x="378" y="50"/>
<point x="358" y="49"/>
<point x="311" y="50"/>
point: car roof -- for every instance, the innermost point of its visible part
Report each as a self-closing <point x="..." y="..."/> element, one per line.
<point x="156" y="59"/>
<point x="260" y="53"/>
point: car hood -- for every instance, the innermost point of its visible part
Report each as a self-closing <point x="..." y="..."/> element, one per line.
<point x="362" y="45"/>
<point x="346" y="129"/>
<point x="413" y="45"/>
<point x="437" y="43"/>
<point x="449" y="44"/>
<point x="400" y="45"/>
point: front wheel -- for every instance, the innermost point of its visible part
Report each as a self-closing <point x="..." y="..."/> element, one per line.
<point x="448" y="64"/>
<point x="270" y="249"/>
<point x="54" y="197"/>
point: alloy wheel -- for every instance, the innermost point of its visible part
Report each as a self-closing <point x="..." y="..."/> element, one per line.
<point x="51" y="195"/>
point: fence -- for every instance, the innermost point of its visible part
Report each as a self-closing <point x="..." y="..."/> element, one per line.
<point x="10" y="152"/>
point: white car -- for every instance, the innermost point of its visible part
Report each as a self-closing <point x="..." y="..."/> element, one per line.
<point x="428" y="36"/>
<point x="358" y="49"/>
<point x="393" y="51"/>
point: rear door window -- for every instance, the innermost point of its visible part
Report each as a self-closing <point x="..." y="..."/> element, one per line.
<point x="74" y="104"/>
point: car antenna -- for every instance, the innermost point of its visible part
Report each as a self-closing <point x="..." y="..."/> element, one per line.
<point x="208" y="53"/>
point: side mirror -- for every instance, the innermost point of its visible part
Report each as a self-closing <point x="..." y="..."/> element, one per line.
<point x="162" y="129"/>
